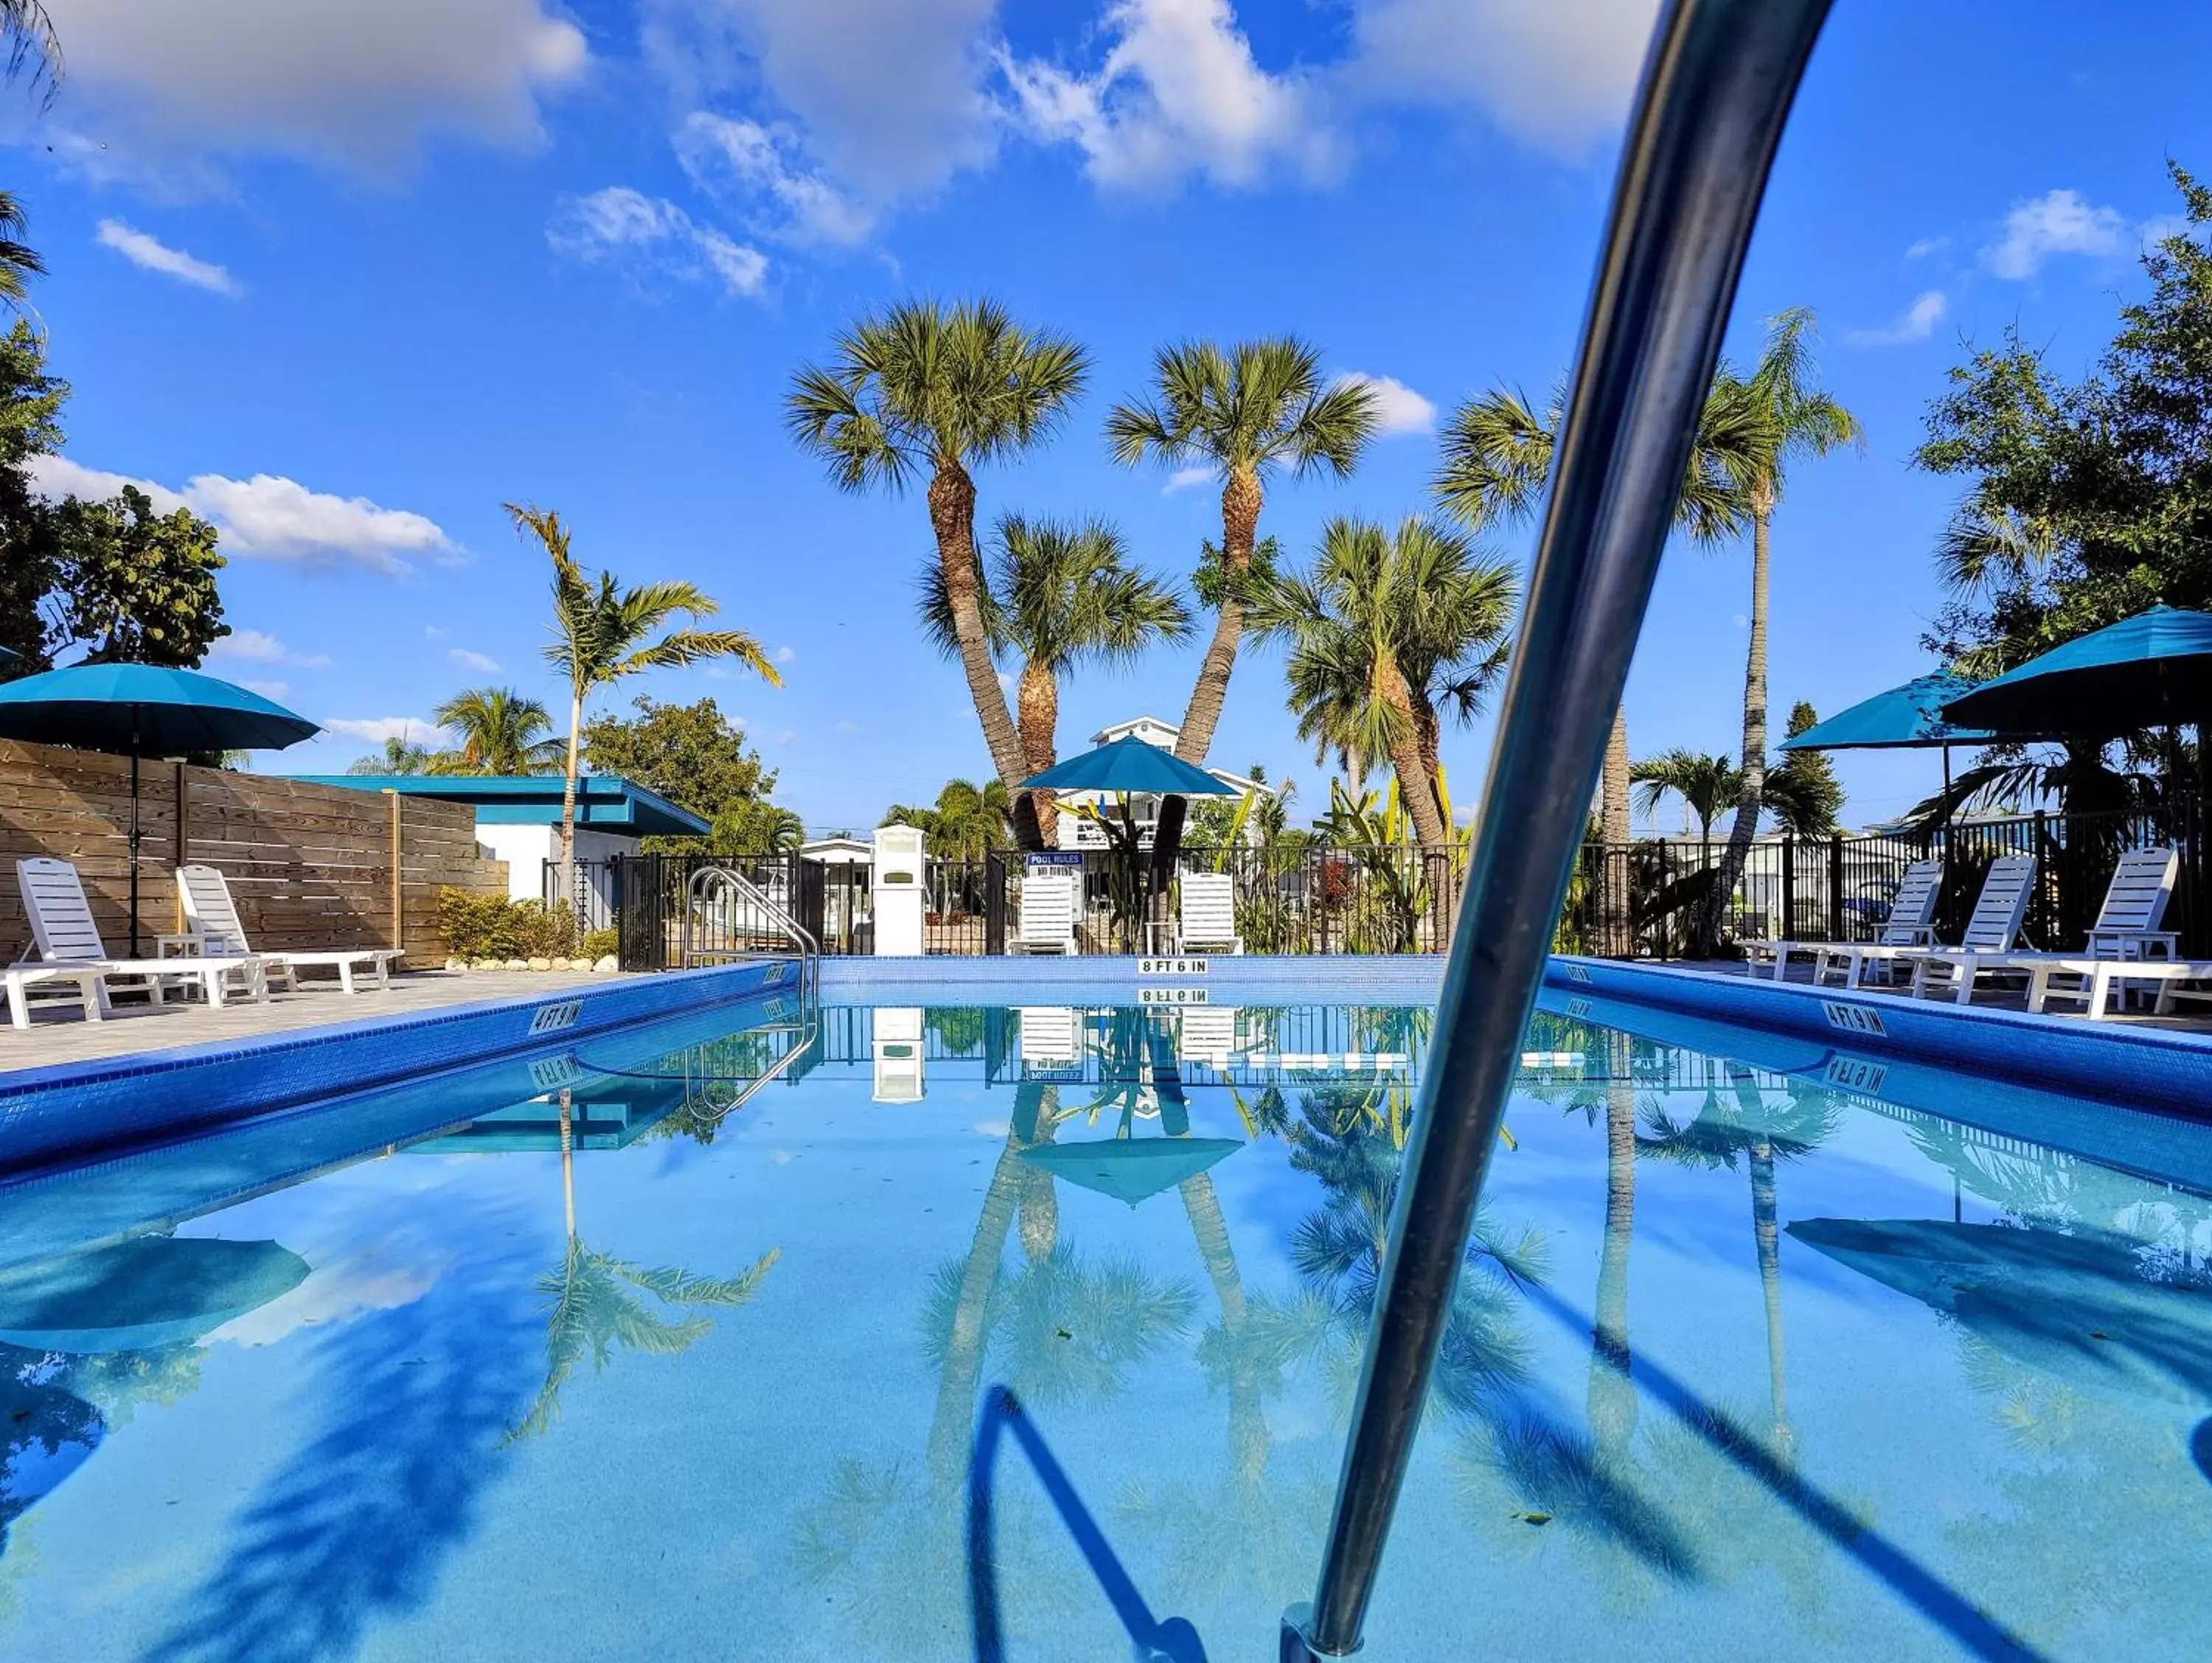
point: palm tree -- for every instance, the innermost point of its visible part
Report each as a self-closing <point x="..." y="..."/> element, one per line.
<point x="603" y="632"/>
<point x="1498" y="457"/>
<point x="968" y="823"/>
<point x="1385" y="630"/>
<point x="928" y="389"/>
<point x="1243" y="414"/>
<point x="1057" y="594"/>
<point x="502" y="732"/>
<point x="19" y="261"/>
<point x="401" y="755"/>
<point x="1706" y="785"/>
<point x="1796" y="419"/>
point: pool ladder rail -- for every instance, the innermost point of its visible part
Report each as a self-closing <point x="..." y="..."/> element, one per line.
<point x="1717" y="89"/>
<point x="722" y="886"/>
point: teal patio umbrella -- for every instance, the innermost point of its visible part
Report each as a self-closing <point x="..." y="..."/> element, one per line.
<point x="1129" y="765"/>
<point x="1131" y="1169"/>
<point x="139" y="710"/>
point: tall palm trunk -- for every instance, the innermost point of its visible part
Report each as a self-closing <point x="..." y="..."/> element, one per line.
<point x="1038" y="701"/>
<point x="1429" y="728"/>
<point x="1241" y="498"/>
<point x="569" y="794"/>
<point x="1767" y="1238"/>
<point x="1415" y="785"/>
<point x="952" y="518"/>
<point x="1247" y="1425"/>
<point x="953" y="1424"/>
<point x="1616" y="919"/>
<point x="1754" y="732"/>
<point x="1611" y="1404"/>
<point x="1040" y="1202"/>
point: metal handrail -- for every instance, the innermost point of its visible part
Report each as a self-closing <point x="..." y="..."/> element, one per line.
<point x="1717" y="86"/>
<point x="810" y="950"/>
<point x="810" y="1036"/>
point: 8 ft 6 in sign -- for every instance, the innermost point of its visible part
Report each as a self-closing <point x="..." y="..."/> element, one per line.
<point x="1173" y="967"/>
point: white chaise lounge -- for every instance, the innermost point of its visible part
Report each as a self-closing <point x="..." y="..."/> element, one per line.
<point x="1048" y="902"/>
<point x="1208" y="921"/>
<point x="67" y="948"/>
<point x="1991" y="934"/>
<point x="1910" y="924"/>
<point x="213" y="919"/>
<point x="2126" y="944"/>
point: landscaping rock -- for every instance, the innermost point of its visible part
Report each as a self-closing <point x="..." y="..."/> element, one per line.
<point x="457" y="963"/>
<point x="490" y="964"/>
<point x="559" y="962"/>
<point x="607" y="963"/>
<point x="518" y="964"/>
<point x="541" y="964"/>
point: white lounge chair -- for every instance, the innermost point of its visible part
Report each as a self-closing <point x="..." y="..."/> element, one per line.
<point x="1208" y="924"/>
<point x="1910" y="923"/>
<point x="1990" y="933"/>
<point x="67" y="947"/>
<point x="1051" y="1041"/>
<point x="1048" y="903"/>
<point x="1206" y="1033"/>
<point x="2093" y="981"/>
<point x="2126" y="933"/>
<point x="215" y="926"/>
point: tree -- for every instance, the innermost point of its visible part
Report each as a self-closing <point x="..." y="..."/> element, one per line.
<point x="603" y="632"/>
<point x="502" y="733"/>
<point x="1802" y="792"/>
<point x="967" y="823"/>
<point x="1241" y="415"/>
<point x="1706" y="785"/>
<point x="401" y="755"/>
<point x="1498" y="454"/>
<point x="1057" y="595"/>
<point x="692" y="755"/>
<point x="1796" y="421"/>
<point x="28" y="37"/>
<point x="19" y="261"/>
<point x="2087" y="501"/>
<point x="1384" y="629"/>
<point x="31" y="403"/>
<point x="130" y="585"/>
<point x="925" y="390"/>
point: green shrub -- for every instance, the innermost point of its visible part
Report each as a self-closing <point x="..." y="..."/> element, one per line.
<point x="597" y="945"/>
<point x="494" y="927"/>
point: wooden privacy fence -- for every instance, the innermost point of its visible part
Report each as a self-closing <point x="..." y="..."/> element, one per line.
<point x="309" y="866"/>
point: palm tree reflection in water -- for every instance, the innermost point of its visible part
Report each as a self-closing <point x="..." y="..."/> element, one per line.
<point x="595" y="1306"/>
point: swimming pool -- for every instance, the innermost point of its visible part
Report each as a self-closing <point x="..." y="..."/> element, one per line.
<point x="671" y="1345"/>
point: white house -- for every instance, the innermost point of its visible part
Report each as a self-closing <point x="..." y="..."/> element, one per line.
<point x="1077" y="832"/>
<point x="840" y="850"/>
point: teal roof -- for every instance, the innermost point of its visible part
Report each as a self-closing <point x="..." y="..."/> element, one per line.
<point x="605" y="802"/>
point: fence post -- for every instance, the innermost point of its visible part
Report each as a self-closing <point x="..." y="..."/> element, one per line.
<point x="2040" y="897"/>
<point x="398" y="917"/>
<point x="994" y="905"/>
<point x="1789" y="932"/>
<point x="1836" y="887"/>
<point x="1665" y="942"/>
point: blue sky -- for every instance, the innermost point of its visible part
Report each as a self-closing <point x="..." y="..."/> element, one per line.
<point x="343" y="278"/>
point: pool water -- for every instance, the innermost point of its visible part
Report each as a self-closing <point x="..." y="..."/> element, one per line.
<point x="671" y="1347"/>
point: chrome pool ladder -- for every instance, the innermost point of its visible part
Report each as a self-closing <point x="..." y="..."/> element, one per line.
<point x="1716" y="88"/>
<point x="734" y="894"/>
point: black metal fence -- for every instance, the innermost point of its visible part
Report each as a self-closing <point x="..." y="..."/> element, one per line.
<point x="1644" y="900"/>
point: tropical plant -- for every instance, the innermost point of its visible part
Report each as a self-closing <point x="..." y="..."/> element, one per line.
<point x="752" y="825"/>
<point x="603" y="632"/>
<point x="28" y="37"/>
<point x="19" y="261"/>
<point x="698" y="759"/>
<point x="929" y="390"/>
<point x="967" y="822"/>
<point x="1056" y="595"/>
<point x="1390" y="892"/>
<point x="1706" y="785"/>
<point x="128" y="584"/>
<point x="500" y="732"/>
<point x="401" y="755"/>
<point x="1240" y="415"/>
<point x="1498" y="453"/>
<point x="1794" y="421"/>
<point x="1386" y="628"/>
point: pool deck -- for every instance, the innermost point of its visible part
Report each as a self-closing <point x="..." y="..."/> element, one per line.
<point x="58" y="1035"/>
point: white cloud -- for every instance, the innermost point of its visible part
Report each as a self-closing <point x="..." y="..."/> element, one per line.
<point x="751" y="164"/>
<point x="375" y="729"/>
<point x="1558" y="75"/>
<point x="1184" y="479"/>
<point x="481" y="663"/>
<point x="1398" y="408"/>
<point x="652" y="235"/>
<point x="257" y="647"/>
<point x="2056" y="223"/>
<point x="166" y="86"/>
<point x="1927" y="245"/>
<point x="266" y="690"/>
<point x="1179" y="91"/>
<point x="848" y="727"/>
<point x="143" y="250"/>
<point x="891" y="96"/>
<point x="1917" y="323"/>
<point x="785" y="654"/>
<point x="268" y="517"/>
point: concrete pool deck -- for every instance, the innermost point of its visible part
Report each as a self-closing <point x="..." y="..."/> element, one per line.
<point x="57" y="1036"/>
